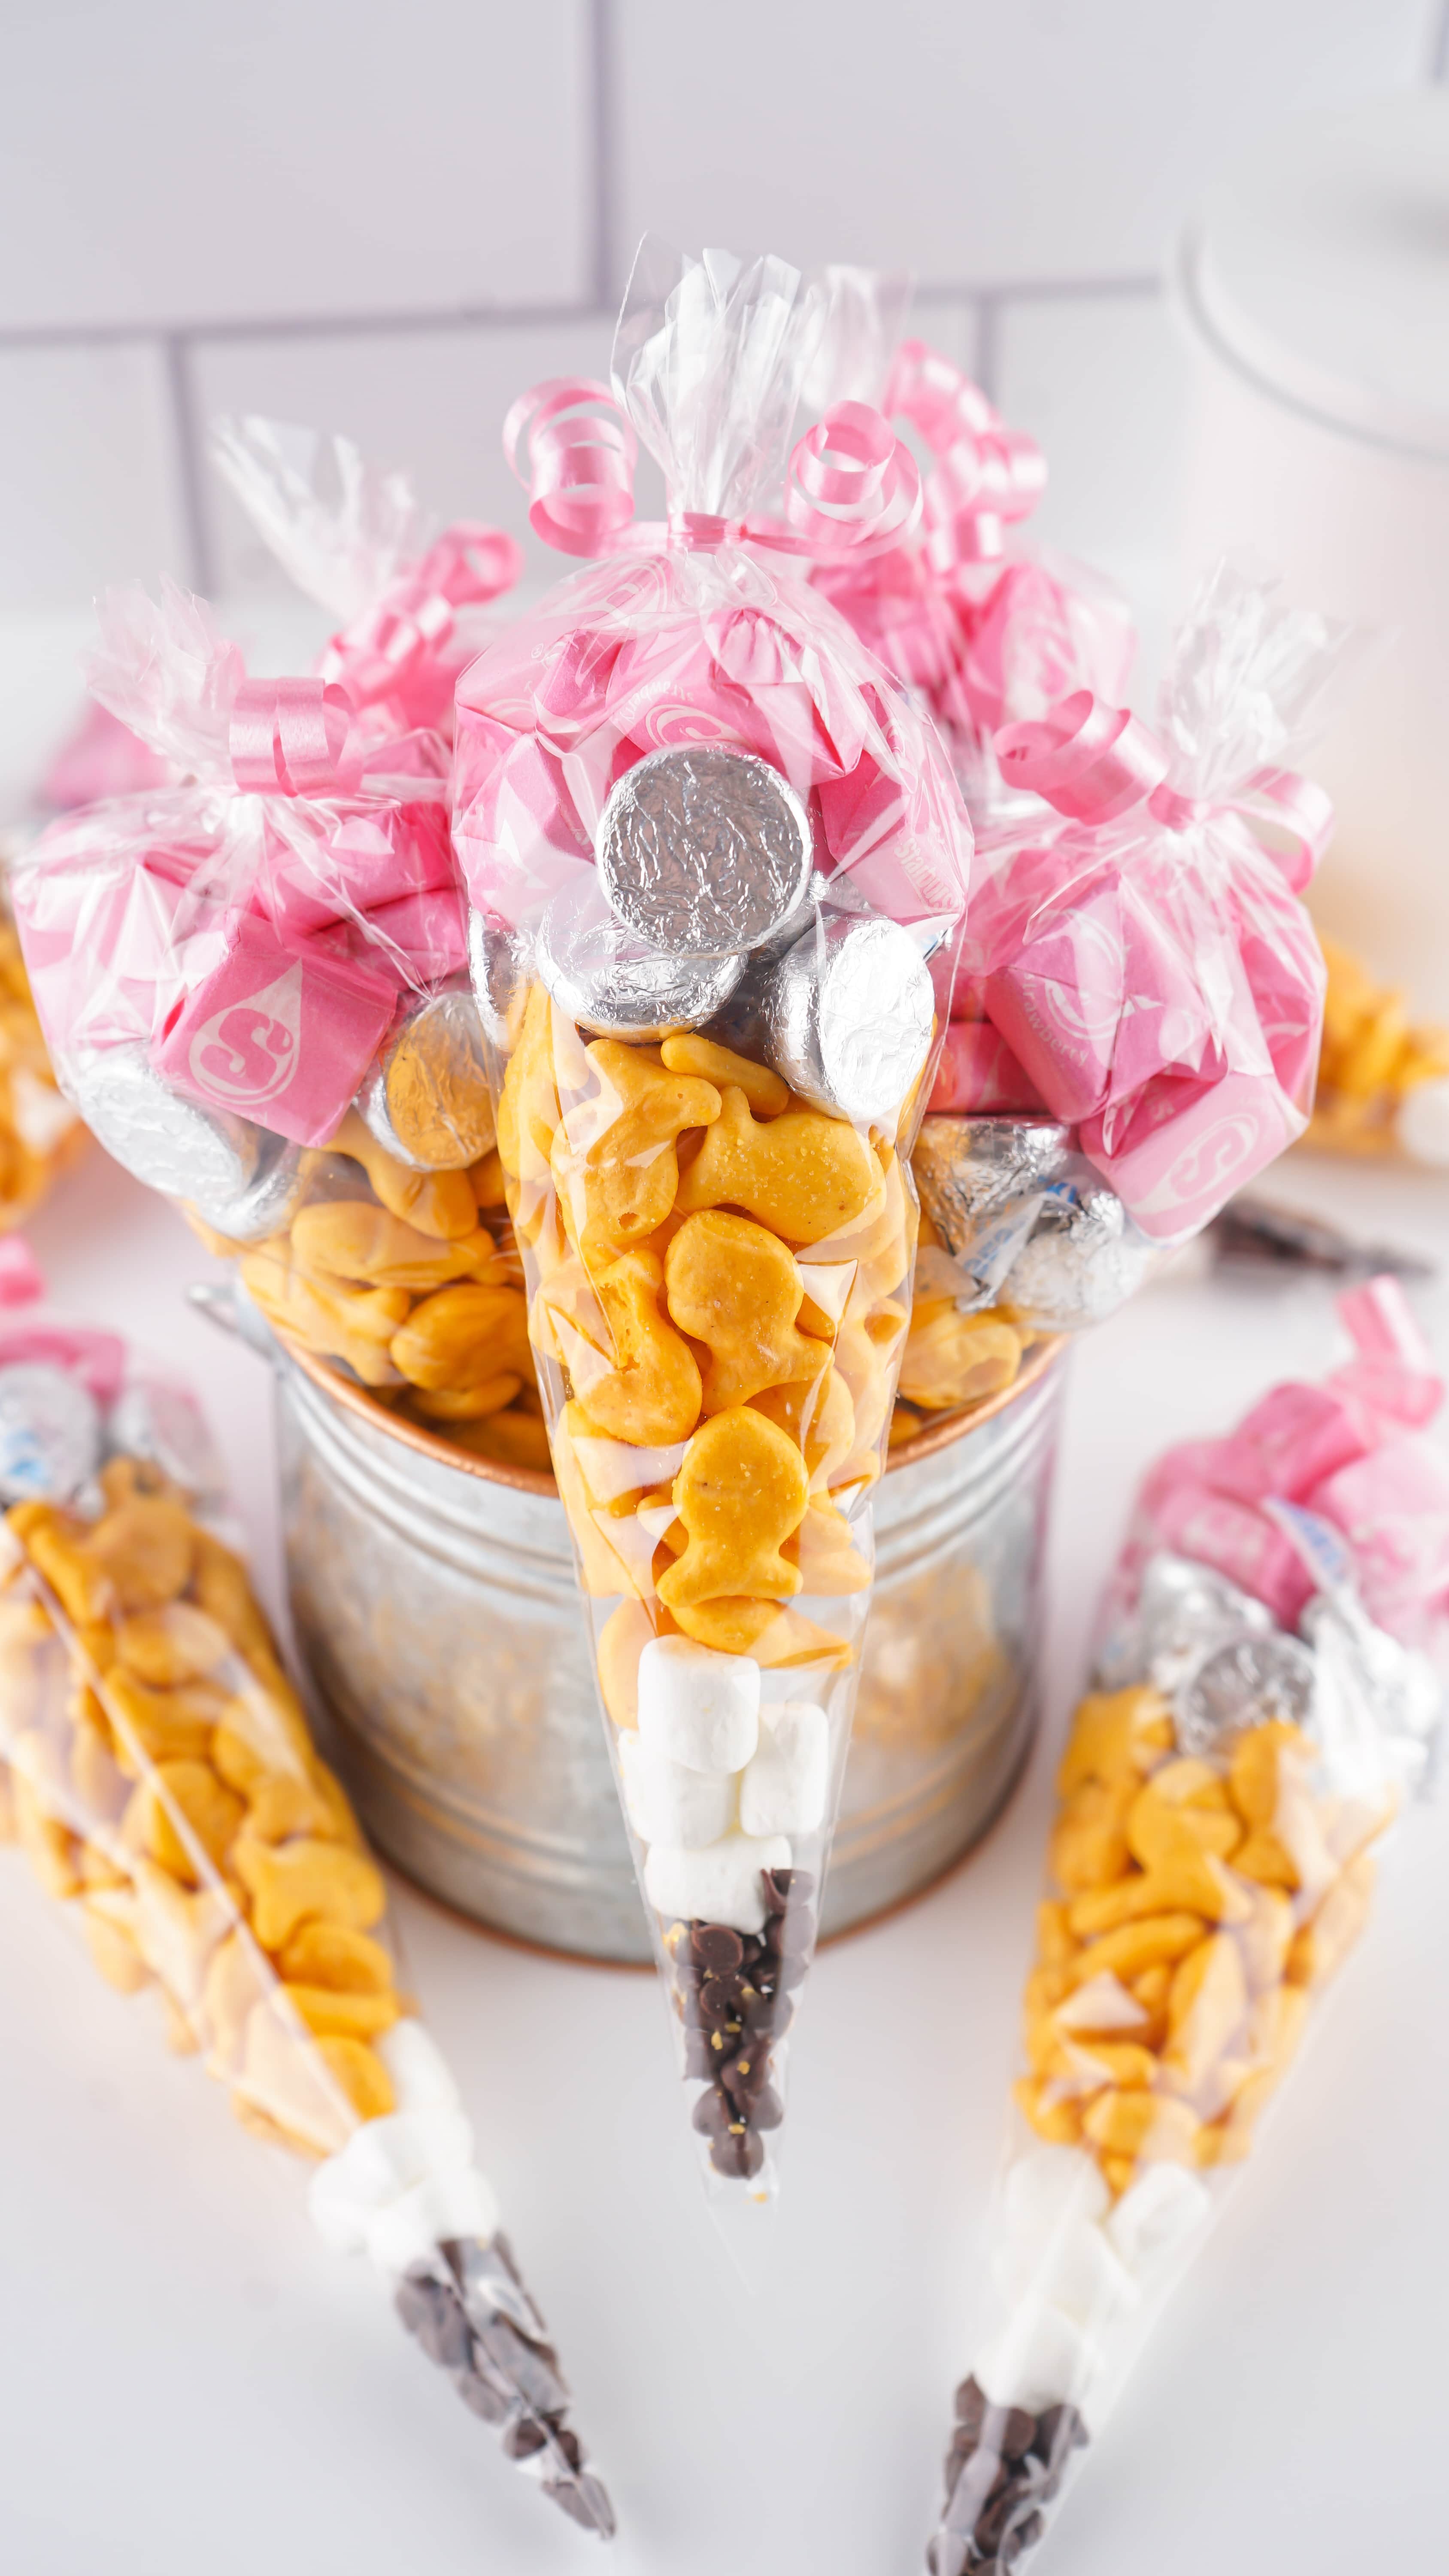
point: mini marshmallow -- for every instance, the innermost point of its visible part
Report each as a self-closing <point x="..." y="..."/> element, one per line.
<point x="1040" y="2358"/>
<point x="1050" y="2187"/>
<point x="1073" y="2268"/>
<point x="698" y="1707"/>
<point x="784" y="1787"/>
<point x="441" y="2206"/>
<point x="1157" y="2215"/>
<point x="382" y="2160"/>
<point x="668" y="1804"/>
<point x="720" y="1885"/>
<point x="420" y="2075"/>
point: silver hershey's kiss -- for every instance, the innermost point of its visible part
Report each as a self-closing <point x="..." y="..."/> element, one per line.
<point x="612" y="983"/>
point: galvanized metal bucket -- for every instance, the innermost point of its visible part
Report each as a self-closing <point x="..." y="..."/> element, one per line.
<point x="434" y="1602"/>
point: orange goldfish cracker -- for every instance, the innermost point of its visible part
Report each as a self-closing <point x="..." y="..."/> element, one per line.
<point x="1126" y="1951"/>
<point x="952" y="1359"/>
<point x="741" y="1492"/>
<point x="511" y="1439"/>
<point x="1154" y="2128"/>
<point x="1087" y="2065"/>
<point x="1054" y="1941"/>
<point x="328" y="1954"/>
<point x="161" y="1725"/>
<point x="622" y="1640"/>
<point x="1266" y="1936"/>
<point x="1057" y="2119"/>
<point x="1088" y="1846"/>
<point x="528" y="1109"/>
<point x="450" y="1404"/>
<point x="609" y="1558"/>
<point x="185" y="1818"/>
<point x="1267" y="1763"/>
<point x="824" y="1548"/>
<point x="648" y="1394"/>
<point x="1206" y="2008"/>
<point x="354" y="1325"/>
<point x="340" y="2013"/>
<point x="486" y="1181"/>
<point x="435" y="1203"/>
<point x="110" y="1918"/>
<point x="1323" y="1943"/>
<point x="1191" y="1882"/>
<point x="361" y="2074"/>
<point x="1116" y="1735"/>
<point x="305" y="1801"/>
<point x="802" y="1175"/>
<point x="1045" y="1987"/>
<point x="765" y="1092"/>
<point x="48" y="1845"/>
<point x="735" y="1287"/>
<point x="353" y="1240"/>
<point x="818" y="1416"/>
<point x="297" y="1882"/>
<point x="780" y="1639"/>
<point x="462" y="1336"/>
<point x="1183" y="1798"/>
<point x="613" y="1154"/>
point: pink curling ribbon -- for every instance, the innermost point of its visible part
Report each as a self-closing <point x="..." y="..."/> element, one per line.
<point x="986" y="476"/>
<point x="289" y="736"/>
<point x="852" y="489"/>
<point x="1093" y="762"/>
<point x="468" y="565"/>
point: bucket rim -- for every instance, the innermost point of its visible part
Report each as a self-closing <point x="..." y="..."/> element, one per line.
<point x="540" y="1481"/>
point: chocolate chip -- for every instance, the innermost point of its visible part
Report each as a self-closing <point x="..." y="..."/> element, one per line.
<point x="1059" y="2429"/>
<point x="716" y="1946"/>
<point x="527" y="2367"/>
<point x="795" y="1933"/>
<point x="738" y="2153"/>
<point x="495" y="2405"/>
<point x="431" y="2311"/>
<point x="949" y="2554"/>
<point x="585" y="2500"/>
<point x="1010" y="2430"/>
<point x="775" y="1888"/>
<point x="1022" y="2537"/>
<point x="712" y="2113"/>
<point x="971" y="2404"/>
<point x="766" y="2111"/>
<point x="720" y="1997"/>
<point x="746" y="2075"/>
<point x="524" y="2438"/>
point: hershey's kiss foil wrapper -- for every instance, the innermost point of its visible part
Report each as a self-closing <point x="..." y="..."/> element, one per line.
<point x="1184" y="1612"/>
<point x="50" y="1434"/>
<point x="162" y="1422"/>
<point x="703" y="850"/>
<point x="270" y="1200"/>
<point x="1247" y="1682"/>
<point x="500" y="970"/>
<point x="1083" y="1260"/>
<point x="844" y="1017"/>
<point x="615" y="985"/>
<point x="171" y="1143"/>
<point x="425" y="1098"/>
<point x="969" y="1169"/>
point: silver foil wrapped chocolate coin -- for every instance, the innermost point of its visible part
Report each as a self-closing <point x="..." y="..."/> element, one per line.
<point x="1248" y="1682"/>
<point x="1083" y="1260"/>
<point x="614" y="984"/>
<point x="425" y="1097"/>
<point x="171" y="1143"/>
<point x="844" y="1017"/>
<point x="270" y="1200"/>
<point x="50" y="1433"/>
<point x="1184" y="1613"/>
<point x="499" y="970"/>
<point x="703" y="850"/>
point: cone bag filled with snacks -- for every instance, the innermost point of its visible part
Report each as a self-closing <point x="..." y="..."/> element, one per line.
<point x="40" y="1133"/>
<point x="1267" y="1694"/>
<point x="411" y="606"/>
<point x="717" y="866"/>
<point x="157" y="1768"/>
<point x="985" y="633"/>
<point x="255" y="990"/>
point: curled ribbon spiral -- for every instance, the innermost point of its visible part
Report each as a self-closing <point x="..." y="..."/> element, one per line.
<point x="288" y="736"/>
<point x="1093" y="762"/>
<point x="465" y="567"/>
<point x="852" y="488"/>
<point x="986" y="476"/>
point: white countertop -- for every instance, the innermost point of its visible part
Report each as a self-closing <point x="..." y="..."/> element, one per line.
<point x="188" y="2378"/>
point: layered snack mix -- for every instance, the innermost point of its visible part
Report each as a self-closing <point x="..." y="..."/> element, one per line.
<point x="158" y="1770"/>
<point x="1267" y="1697"/>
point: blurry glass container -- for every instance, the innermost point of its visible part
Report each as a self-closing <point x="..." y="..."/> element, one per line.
<point x="437" y="1614"/>
<point x="1314" y="286"/>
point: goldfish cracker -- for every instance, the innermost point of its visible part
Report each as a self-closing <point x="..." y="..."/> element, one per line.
<point x="440" y="1204"/>
<point x="818" y="1415"/>
<point x="613" y="1154"/>
<point x="1056" y="2119"/>
<point x="1206" y="2007"/>
<point x="741" y="1492"/>
<point x="645" y="1389"/>
<point x="1117" y="1735"/>
<point x="1089" y="1839"/>
<point x="803" y="1175"/>
<point x="952" y="1359"/>
<point x="510" y="1439"/>
<point x="1133" y="1946"/>
<point x="825" y="1550"/>
<point x="461" y="1336"/>
<point x="351" y="1239"/>
<point x="1151" y="2128"/>
<point x="185" y="1818"/>
<point x="766" y="1093"/>
<point x="306" y="1880"/>
<point x="736" y="1288"/>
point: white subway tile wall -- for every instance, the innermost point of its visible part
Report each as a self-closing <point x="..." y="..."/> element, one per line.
<point x="388" y="216"/>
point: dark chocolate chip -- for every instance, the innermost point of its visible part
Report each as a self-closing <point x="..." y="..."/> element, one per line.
<point x="495" y="2405"/>
<point x="567" y="2441"/>
<point x="970" y="2404"/>
<point x="949" y="2554"/>
<point x="738" y="2153"/>
<point x="524" y="2365"/>
<point x="1021" y="2537"/>
<point x="1059" y="2429"/>
<point x="720" y="1997"/>
<point x="747" y="2074"/>
<point x="584" y="2500"/>
<point x="795" y="1933"/>
<point x="434" y="2313"/>
<point x="1010" y="2430"/>
<point x="716" y="1946"/>
<point x="766" y="2108"/>
<point x="775" y="1889"/>
<point x="524" y="2438"/>
<point x="712" y="2113"/>
<point x="699" y="2057"/>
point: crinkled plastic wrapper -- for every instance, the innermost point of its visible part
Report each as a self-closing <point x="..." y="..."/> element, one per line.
<point x="717" y="865"/>
<point x="158" y="1770"/>
<point x="1267" y="1697"/>
<point x="40" y="1135"/>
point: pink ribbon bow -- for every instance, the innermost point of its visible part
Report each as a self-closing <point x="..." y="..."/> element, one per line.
<point x="467" y="566"/>
<point x="288" y="736"/>
<point x="852" y="489"/>
<point x="986" y="476"/>
<point x="1093" y="762"/>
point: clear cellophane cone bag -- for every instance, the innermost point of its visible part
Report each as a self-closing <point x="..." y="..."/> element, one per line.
<point x="717" y="865"/>
<point x="158" y="1770"/>
<point x="1265" y="1702"/>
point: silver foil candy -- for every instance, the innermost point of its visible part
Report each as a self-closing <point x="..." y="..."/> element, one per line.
<point x="499" y="969"/>
<point x="1375" y="1697"/>
<point x="981" y="1184"/>
<point x="614" y="984"/>
<point x="426" y="1097"/>
<point x="1184" y="1612"/>
<point x="50" y="1433"/>
<point x="844" y="1016"/>
<point x="703" y="850"/>
<point x="164" y="1424"/>
<point x="241" y="1179"/>
<point x="1248" y="1682"/>
<point x="1084" y="1258"/>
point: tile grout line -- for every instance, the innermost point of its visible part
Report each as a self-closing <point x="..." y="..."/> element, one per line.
<point x="340" y="326"/>
<point x="186" y="429"/>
